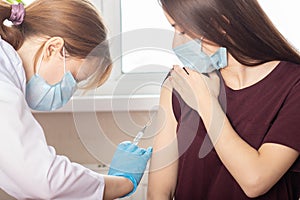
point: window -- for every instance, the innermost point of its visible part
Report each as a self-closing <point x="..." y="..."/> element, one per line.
<point x="150" y="25"/>
<point x="141" y="47"/>
<point x="285" y="15"/>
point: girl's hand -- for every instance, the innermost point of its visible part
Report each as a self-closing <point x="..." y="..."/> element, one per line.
<point x="199" y="91"/>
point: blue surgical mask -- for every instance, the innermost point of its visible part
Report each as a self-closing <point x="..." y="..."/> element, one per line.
<point x="42" y="96"/>
<point x="192" y="56"/>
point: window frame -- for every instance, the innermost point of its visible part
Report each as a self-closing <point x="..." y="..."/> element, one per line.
<point x="111" y="11"/>
<point x="109" y="97"/>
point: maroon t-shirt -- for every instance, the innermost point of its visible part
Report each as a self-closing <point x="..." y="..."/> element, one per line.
<point x="266" y="112"/>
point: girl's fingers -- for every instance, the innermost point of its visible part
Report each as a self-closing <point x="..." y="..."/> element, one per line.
<point x="181" y="71"/>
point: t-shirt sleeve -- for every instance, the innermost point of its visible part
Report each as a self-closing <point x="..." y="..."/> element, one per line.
<point x="286" y="127"/>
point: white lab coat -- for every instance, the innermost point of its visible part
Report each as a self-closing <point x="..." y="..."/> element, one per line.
<point x="29" y="168"/>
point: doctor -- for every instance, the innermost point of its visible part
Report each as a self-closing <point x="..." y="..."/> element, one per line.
<point x="43" y="56"/>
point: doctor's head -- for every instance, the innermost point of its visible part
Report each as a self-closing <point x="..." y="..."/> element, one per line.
<point x="241" y="26"/>
<point x="61" y="43"/>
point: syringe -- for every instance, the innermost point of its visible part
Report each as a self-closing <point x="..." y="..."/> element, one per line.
<point x="141" y="132"/>
<point x="139" y="136"/>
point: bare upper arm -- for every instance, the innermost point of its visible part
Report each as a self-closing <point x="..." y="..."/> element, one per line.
<point x="163" y="166"/>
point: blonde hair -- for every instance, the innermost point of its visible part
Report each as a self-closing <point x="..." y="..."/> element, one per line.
<point x="76" y="21"/>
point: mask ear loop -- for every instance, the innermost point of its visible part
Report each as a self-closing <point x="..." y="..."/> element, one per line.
<point x="201" y="42"/>
<point x="39" y="64"/>
<point x="64" y="54"/>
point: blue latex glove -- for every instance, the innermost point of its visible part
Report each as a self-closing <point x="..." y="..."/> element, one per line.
<point x="130" y="161"/>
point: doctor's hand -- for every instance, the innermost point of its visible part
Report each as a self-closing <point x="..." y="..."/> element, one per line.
<point x="130" y="161"/>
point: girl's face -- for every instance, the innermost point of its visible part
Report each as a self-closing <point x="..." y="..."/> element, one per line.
<point x="180" y="37"/>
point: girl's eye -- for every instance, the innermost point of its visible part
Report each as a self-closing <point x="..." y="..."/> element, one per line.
<point x="180" y="32"/>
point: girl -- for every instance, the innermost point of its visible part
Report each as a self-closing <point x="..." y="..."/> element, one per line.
<point x="232" y="133"/>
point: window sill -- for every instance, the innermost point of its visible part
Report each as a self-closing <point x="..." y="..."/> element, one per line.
<point x="122" y="103"/>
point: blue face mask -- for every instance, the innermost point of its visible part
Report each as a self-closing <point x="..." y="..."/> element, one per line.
<point x="192" y="56"/>
<point x="42" y="96"/>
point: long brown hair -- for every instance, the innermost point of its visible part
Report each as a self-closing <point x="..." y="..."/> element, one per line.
<point x="76" y="21"/>
<point x="239" y="25"/>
